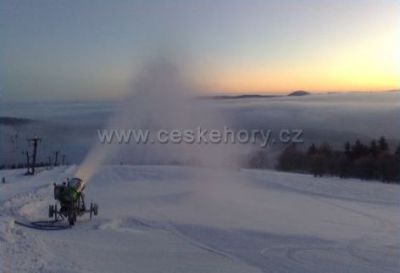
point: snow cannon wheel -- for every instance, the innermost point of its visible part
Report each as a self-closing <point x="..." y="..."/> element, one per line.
<point x="71" y="219"/>
<point x="51" y="211"/>
<point x="56" y="212"/>
<point x="94" y="209"/>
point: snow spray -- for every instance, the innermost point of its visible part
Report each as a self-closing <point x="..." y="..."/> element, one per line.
<point x="161" y="98"/>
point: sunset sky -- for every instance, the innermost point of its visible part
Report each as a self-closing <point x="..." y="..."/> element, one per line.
<point x="92" y="49"/>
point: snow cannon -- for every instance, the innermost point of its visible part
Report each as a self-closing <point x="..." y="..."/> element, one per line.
<point x="71" y="198"/>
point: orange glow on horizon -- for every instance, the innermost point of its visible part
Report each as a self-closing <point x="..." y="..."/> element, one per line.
<point x="368" y="61"/>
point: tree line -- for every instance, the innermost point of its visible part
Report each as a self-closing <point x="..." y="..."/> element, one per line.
<point x="373" y="161"/>
<point x="21" y="165"/>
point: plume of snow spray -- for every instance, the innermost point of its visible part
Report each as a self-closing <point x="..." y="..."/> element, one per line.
<point x="157" y="98"/>
<point x="160" y="99"/>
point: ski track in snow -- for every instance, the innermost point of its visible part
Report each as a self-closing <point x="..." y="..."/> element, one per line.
<point x="158" y="219"/>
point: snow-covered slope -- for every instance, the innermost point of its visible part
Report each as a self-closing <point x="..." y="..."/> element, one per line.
<point x="180" y="219"/>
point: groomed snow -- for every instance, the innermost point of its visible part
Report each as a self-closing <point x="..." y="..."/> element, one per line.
<point x="181" y="219"/>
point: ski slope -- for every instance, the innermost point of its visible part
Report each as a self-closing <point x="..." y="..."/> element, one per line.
<point x="181" y="219"/>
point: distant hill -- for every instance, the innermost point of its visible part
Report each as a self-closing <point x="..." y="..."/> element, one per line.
<point x="256" y="96"/>
<point x="251" y="96"/>
<point x="299" y="93"/>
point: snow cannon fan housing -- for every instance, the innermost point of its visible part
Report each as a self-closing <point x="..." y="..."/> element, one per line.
<point x="71" y="198"/>
<point x="70" y="191"/>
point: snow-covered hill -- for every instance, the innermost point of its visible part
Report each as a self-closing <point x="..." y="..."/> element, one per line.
<point x="180" y="219"/>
